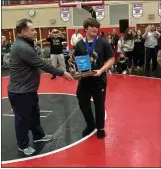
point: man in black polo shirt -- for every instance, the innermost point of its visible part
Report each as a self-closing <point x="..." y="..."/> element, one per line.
<point x="102" y="58"/>
<point x="25" y="65"/>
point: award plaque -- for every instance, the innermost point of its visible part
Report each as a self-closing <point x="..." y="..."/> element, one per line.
<point x="81" y="67"/>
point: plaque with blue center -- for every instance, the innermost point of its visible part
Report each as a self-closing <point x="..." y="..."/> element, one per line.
<point x="83" y="63"/>
<point x="81" y="66"/>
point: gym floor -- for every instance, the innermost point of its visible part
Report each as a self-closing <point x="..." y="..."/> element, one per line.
<point x="133" y="118"/>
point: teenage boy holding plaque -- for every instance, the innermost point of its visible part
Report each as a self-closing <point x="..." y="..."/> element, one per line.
<point x="102" y="58"/>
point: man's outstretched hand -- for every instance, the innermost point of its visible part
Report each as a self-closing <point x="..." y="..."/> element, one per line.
<point x="67" y="76"/>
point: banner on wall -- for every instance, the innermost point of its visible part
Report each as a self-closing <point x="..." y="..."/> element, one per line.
<point x="137" y="10"/>
<point x="159" y="9"/>
<point x="100" y="12"/>
<point x="65" y="14"/>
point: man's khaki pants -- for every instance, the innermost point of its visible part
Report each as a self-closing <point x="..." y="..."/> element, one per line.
<point x="58" y="58"/>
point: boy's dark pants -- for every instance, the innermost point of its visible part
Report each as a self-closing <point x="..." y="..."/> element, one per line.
<point x="96" y="89"/>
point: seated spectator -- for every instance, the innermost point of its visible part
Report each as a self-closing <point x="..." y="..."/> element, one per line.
<point x="122" y="64"/>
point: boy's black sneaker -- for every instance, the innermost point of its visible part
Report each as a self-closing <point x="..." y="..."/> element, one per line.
<point x="87" y="131"/>
<point x="100" y="134"/>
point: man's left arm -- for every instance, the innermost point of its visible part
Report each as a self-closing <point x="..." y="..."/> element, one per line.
<point x="109" y="59"/>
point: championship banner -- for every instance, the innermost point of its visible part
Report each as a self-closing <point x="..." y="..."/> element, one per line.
<point x="65" y="14"/>
<point x="100" y="12"/>
<point x="137" y="10"/>
<point x="159" y="10"/>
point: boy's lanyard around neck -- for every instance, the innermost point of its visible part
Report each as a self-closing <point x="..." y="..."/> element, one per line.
<point x="91" y="48"/>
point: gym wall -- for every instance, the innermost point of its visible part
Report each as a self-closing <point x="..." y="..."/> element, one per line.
<point x="44" y="13"/>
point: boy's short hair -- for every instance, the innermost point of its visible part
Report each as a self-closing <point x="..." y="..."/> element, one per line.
<point x="91" y="22"/>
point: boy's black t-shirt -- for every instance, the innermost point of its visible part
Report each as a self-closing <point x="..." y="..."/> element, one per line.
<point x="103" y="50"/>
<point x="56" y="46"/>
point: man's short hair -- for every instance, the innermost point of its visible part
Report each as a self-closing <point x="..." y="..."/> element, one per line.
<point x="91" y="22"/>
<point x="22" y="24"/>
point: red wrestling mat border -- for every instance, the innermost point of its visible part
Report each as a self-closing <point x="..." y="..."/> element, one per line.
<point x="133" y="139"/>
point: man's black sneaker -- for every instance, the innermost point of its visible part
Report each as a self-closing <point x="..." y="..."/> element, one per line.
<point x="100" y="134"/>
<point x="87" y="131"/>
